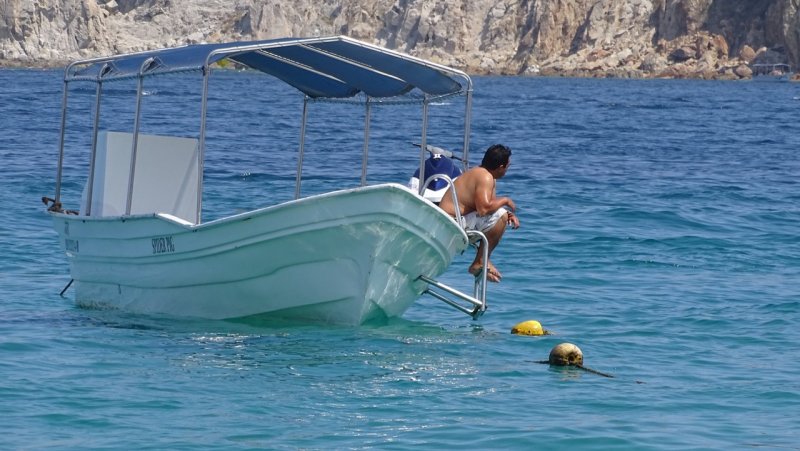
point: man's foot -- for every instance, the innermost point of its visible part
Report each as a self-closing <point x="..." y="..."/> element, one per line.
<point x="492" y="276"/>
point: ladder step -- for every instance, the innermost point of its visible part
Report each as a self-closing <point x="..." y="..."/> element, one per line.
<point x="478" y="306"/>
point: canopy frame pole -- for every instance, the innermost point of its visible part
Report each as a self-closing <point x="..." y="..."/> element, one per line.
<point x="135" y="143"/>
<point x="424" y="144"/>
<point x="201" y="146"/>
<point x="301" y="150"/>
<point x="95" y="131"/>
<point x="365" y="156"/>
<point x="467" y="124"/>
<point x="60" y="170"/>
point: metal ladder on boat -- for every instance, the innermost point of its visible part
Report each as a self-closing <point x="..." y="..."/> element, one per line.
<point x="474" y="305"/>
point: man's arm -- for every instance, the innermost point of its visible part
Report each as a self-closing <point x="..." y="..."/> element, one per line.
<point x="485" y="201"/>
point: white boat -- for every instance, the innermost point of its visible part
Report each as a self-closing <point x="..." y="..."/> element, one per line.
<point x="771" y="71"/>
<point x="138" y="241"/>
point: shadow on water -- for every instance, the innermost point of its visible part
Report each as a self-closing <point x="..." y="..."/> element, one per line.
<point x="381" y="326"/>
<point x="76" y="317"/>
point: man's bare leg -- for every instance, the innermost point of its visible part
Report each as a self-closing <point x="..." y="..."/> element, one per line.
<point x="493" y="237"/>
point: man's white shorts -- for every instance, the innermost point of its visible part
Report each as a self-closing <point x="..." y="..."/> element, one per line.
<point x="473" y="221"/>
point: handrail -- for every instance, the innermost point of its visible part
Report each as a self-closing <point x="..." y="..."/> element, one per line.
<point x="480" y="280"/>
<point x="449" y="181"/>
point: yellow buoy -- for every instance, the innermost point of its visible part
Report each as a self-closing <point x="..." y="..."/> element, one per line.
<point x="531" y="327"/>
<point x="566" y="354"/>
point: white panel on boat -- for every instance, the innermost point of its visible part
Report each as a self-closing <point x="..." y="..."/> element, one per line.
<point x="165" y="179"/>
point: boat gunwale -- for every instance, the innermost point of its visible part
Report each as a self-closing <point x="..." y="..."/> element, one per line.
<point x="180" y="222"/>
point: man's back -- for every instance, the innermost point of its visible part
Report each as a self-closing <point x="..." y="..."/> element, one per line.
<point x="476" y="182"/>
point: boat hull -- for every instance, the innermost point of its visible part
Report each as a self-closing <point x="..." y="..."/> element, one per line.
<point x="344" y="257"/>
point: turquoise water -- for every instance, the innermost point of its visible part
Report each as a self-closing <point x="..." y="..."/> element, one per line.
<point x="659" y="233"/>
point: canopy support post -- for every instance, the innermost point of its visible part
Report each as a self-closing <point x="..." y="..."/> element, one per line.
<point x="95" y="131"/>
<point x="60" y="170"/>
<point x="364" y="157"/>
<point x="201" y="151"/>
<point x="467" y="122"/>
<point x="135" y="143"/>
<point x="424" y="144"/>
<point x="301" y="151"/>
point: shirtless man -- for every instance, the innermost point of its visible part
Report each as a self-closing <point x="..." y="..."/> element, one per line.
<point x="480" y="207"/>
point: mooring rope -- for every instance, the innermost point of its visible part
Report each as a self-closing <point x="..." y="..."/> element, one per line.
<point x="66" y="288"/>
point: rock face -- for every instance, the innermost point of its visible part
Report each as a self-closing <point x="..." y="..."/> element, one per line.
<point x="623" y="38"/>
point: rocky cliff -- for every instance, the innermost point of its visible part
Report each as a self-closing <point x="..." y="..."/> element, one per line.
<point x="626" y="38"/>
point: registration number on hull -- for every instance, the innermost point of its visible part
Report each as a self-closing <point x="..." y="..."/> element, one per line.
<point x="163" y="245"/>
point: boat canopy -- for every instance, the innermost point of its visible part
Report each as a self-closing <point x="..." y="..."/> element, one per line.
<point x="331" y="67"/>
<point x="322" y="68"/>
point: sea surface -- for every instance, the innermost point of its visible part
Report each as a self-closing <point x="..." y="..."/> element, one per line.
<point x="660" y="234"/>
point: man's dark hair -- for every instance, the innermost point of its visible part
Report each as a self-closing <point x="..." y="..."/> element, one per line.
<point x="496" y="156"/>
